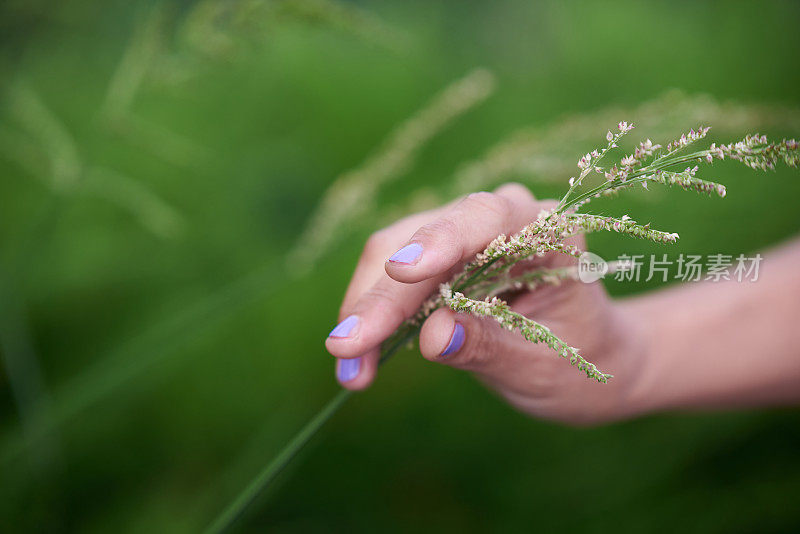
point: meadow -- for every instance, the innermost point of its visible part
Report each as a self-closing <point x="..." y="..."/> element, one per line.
<point x="164" y="300"/>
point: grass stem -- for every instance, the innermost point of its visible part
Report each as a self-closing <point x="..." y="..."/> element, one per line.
<point x="231" y="512"/>
<point x="278" y="464"/>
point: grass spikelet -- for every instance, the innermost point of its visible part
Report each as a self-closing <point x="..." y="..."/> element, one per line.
<point x="353" y="193"/>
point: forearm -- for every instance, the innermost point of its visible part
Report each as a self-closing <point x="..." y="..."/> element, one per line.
<point x="721" y="345"/>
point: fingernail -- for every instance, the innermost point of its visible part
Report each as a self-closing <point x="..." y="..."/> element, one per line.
<point x="345" y="328"/>
<point x="456" y="340"/>
<point x="348" y="368"/>
<point x="408" y="255"/>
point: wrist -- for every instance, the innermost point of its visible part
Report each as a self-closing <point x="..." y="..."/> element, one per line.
<point x="630" y="355"/>
<point x="638" y="359"/>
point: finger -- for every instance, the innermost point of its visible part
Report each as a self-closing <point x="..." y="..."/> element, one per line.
<point x="464" y="341"/>
<point x="358" y="359"/>
<point x="357" y="373"/>
<point x="378" y="247"/>
<point x="462" y="232"/>
<point x="376" y="315"/>
<point x="500" y="358"/>
<point x="375" y="299"/>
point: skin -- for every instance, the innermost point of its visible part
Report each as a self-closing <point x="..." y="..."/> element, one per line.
<point x="707" y="345"/>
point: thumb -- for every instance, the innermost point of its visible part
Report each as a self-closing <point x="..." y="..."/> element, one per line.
<point x="466" y="342"/>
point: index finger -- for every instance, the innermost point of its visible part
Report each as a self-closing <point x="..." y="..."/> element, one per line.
<point x="463" y="232"/>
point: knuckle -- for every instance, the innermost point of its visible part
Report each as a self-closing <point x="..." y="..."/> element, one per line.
<point x="485" y="204"/>
<point x="479" y="348"/>
<point x="444" y="226"/>
<point x="378" y="293"/>
<point x="375" y="242"/>
<point x="386" y="301"/>
<point x="514" y="189"/>
<point x="486" y="201"/>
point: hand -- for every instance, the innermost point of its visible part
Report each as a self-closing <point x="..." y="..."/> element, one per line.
<point x="402" y="265"/>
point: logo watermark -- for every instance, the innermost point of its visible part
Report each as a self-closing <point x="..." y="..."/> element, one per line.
<point x="591" y="267"/>
<point x="684" y="268"/>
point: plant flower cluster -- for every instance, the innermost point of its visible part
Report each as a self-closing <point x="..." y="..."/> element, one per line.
<point x="477" y="288"/>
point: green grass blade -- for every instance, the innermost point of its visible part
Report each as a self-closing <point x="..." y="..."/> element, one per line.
<point x="278" y="464"/>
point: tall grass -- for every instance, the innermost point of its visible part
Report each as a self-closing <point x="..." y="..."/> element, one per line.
<point x="110" y="194"/>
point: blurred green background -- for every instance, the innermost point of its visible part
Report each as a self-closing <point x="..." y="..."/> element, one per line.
<point x="160" y="160"/>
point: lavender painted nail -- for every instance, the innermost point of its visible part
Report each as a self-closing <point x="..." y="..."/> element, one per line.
<point x="348" y="368"/>
<point x="456" y="340"/>
<point x="408" y="255"/>
<point x="345" y="328"/>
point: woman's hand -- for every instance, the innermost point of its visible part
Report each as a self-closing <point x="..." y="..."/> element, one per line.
<point x="402" y="265"/>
